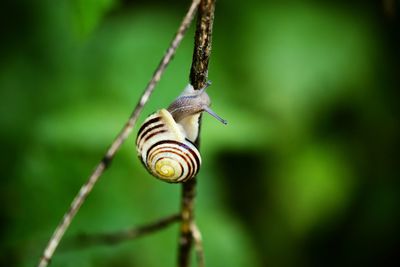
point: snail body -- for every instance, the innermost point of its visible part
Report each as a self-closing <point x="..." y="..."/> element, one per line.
<point x="165" y="141"/>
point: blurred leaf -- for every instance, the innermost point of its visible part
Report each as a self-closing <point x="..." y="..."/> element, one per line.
<point x="82" y="126"/>
<point x="225" y="241"/>
<point x="314" y="187"/>
<point x="88" y="14"/>
<point x="307" y="54"/>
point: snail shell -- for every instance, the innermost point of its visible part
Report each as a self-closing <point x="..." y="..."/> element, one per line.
<point x="165" y="141"/>
<point x="165" y="150"/>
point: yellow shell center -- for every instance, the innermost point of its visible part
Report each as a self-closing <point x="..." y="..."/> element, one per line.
<point x="164" y="168"/>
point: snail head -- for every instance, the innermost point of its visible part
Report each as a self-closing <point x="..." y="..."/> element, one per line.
<point x="192" y="102"/>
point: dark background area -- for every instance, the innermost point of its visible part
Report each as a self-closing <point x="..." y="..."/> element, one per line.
<point x="304" y="174"/>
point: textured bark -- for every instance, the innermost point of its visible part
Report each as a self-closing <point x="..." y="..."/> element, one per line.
<point x="202" y="44"/>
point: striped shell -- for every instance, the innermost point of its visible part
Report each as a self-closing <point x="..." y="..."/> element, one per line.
<point x="164" y="149"/>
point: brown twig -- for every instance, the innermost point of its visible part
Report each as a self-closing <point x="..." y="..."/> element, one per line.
<point x="187" y="211"/>
<point x="198" y="245"/>
<point x="87" y="240"/>
<point x="202" y="44"/>
<point x="198" y="78"/>
<point x="118" y="141"/>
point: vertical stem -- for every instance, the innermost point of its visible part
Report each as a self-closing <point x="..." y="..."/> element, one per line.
<point x="202" y="44"/>
<point x="187" y="212"/>
<point x="198" y="78"/>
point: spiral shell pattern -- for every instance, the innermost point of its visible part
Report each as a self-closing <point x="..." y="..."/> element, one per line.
<point x="164" y="149"/>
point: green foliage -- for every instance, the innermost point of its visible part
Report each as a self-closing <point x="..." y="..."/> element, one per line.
<point x="306" y="161"/>
<point x="88" y="14"/>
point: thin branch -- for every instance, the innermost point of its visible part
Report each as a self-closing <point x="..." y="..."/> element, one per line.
<point x="198" y="78"/>
<point x="118" y="141"/>
<point x="88" y="240"/>
<point x="198" y="245"/>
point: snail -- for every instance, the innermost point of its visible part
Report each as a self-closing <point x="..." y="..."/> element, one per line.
<point x="165" y="141"/>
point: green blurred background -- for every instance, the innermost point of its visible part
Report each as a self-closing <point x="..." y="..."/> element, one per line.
<point x="305" y="173"/>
